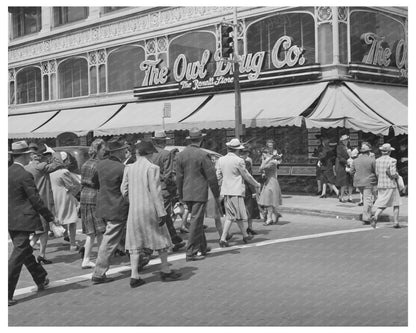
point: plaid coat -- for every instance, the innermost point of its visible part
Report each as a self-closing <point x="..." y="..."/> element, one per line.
<point x="386" y="172"/>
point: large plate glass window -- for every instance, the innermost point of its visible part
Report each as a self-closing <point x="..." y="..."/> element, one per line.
<point x="73" y="78"/>
<point x="65" y="15"/>
<point x="28" y="85"/>
<point x="25" y="20"/>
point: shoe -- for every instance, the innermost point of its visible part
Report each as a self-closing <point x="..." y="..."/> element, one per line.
<point x="99" y="280"/>
<point x="205" y="226"/>
<point x="66" y="239"/>
<point x="88" y="265"/>
<point x="43" y="285"/>
<point x="360" y="204"/>
<point x="323" y="196"/>
<point x="251" y="231"/>
<point x="42" y="260"/>
<point x="82" y="251"/>
<point x="143" y="261"/>
<point x="366" y="223"/>
<point x="12" y="302"/>
<point x="397" y="226"/>
<point x="228" y="237"/>
<point x="224" y="244"/>
<point x="172" y="276"/>
<point x="268" y="222"/>
<point x="119" y="252"/>
<point x="178" y="246"/>
<point x="349" y="200"/>
<point x="184" y="230"/>
<point x="246" y="239"/>
<point x="134" y="283"/>
<point x="373" y="221"/>
<point x="195" y="258"/>
<point x="73" y="248"/>
<point x="318" y="193"/>
<point x="204" y="253"/>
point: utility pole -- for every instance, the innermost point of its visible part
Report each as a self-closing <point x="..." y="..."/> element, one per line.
<point x="236" y="74"/>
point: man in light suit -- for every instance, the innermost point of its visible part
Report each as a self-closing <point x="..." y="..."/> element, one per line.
<point x="363" y="170"/>
<point x="388" y="192"/>
<point x="232" y="172"/>
<point x="25" y="205"/>
<point x="194" y="173"/>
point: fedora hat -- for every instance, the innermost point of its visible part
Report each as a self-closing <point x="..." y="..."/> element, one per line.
<point x="160" y="135"/>
<point x="20" y="147"/>
<point x="116" y="143"/>
<point x="195" y="133"/>
<point x="234" y="144"/>
<point x="145" y="148"/>
<point x="365" y="148"/>
<point x="386" y="147"/>
<point x="344" y="137"/>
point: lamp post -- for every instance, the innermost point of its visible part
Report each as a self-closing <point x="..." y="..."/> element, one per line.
<point x="236" y="75"/>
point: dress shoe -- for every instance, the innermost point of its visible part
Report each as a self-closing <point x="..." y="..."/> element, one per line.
<point x="207" y="250"/>
<point x="99" y="280"/>
<point x="195" y="258"/>
<point x="373" y="221"/>
<point x="228" y="237"/>
<point x="73" y="248"/>
<point x="134" y="283"/>
<point x="251" y="231"/>
<point x="42" y="260"/>
<point x="396" y="226"/>
<point x="178" y="246"/>
<point x="366" y="222"/>
<point x="66" y="239"/>
<point x="12" y="302"/>
<point x="349" y="200"/>
<point x="87" y="265"/>
<point x="43" y="285"/>
<point x="224" y="243"/>
<point x="81" y="251"/>
<point x="119" y="252"/>
<point x="247" y="238"/>
<point x="268" y="222"/>
<point x="360" y="204"/>
<point x="323" y="196"/>
<point x="172" y="276"/>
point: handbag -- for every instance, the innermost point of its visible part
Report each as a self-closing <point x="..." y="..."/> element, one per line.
<point x="58" y="230"/>
<point x="400" y="184"/>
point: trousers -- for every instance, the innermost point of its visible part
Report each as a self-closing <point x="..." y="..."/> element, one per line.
<point x="22" y="254"/>
<point x="176" y="239"/>
<point x="368" y="199"/>
<point x="197" y="240"/>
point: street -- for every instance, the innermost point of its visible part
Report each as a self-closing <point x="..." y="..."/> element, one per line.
<point x="305" y="271"/>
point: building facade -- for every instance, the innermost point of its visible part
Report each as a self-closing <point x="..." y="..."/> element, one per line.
<point x="76" y="73"/>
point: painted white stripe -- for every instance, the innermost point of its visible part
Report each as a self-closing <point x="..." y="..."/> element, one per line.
<point x="181" y="256"/>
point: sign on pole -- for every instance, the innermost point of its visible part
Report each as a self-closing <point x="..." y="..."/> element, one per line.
<point x="167" y="110"/>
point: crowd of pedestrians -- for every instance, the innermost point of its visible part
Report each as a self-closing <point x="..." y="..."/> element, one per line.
<point x="129" y="198"/>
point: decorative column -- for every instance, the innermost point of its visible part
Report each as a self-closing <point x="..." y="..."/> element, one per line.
<point x="323" y="17"/>
<point x="47" y="19"/>
<point x="335" y="36"/>
<point x="12" y="86"/>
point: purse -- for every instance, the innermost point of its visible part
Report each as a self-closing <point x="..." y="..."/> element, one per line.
<point x="400" y="184"/>
<point x="58" y="230"/>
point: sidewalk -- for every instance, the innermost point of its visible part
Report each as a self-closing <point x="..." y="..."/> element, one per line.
<point x="331" y="207"/>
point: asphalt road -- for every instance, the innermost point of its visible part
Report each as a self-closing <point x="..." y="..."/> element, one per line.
<point x="306" y="271"/>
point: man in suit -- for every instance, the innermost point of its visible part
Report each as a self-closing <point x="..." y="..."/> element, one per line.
<point x="111" y="206"/>
<point x="25" y="205"/>
<point x="194" y="173"/>
<point x="164" y="159"/>
<point x="232" y="172"/>
<point x="388" y="192"/>
<point x="363" y="170"/>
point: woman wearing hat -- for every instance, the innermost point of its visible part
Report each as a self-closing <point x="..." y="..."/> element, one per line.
<point x="343" y="178"/>
<point x="271" y="195"/>
<point x="146" y="227"/>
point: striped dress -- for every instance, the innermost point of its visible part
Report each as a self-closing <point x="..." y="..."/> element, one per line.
<point x="141" y="183"/>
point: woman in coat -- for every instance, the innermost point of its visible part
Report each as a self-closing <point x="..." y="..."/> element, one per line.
<point x="146" y="226"/>
<point x="343" y="178"/>
<point x="64" y="188"/>
<point x="326" y="157"/>
<point x="270" y="196"/>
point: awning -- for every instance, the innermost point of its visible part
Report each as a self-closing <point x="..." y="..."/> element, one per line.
<point x="21" y="126"/>
<point x="260" y="108"/>
<point x="79" y="121"/>
<point x="147" y="116"/>
<point x="388" y="102"/>
<point x="340" y="107"/>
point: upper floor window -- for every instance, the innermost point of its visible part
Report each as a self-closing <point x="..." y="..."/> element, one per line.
<point x="25" y="20"/>
<point x="28" y="85"/>
<point x="65" y="15"/>
<point x="73" y="78"/>
<point x="112" y="9"/>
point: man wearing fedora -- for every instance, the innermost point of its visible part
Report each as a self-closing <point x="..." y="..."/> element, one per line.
<point x="231" y="173"/>
<point x="388" y="192"/>
<point x="363" y="171"/>
<point x="25" y="206"/>
<point x="164" y="160"/>
<point x="111" y="206"/>
<point x="194" y="173"/>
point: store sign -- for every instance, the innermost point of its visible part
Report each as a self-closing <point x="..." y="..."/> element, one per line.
<point x="381" y="54"/>
<point x="194" y="75"/>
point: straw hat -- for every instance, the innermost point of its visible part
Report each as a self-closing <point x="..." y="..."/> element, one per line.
<point x="234" y="144"/>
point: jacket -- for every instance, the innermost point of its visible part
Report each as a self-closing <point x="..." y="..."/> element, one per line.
<point x="194" y="173"/>
<point x="386" y="172"/>
<point x="231" y="172"/>
<point x="111" y="205"/>
<point x="363" y="170"/>
<point x="164" y="160"/>
<point x="25" y="203"/>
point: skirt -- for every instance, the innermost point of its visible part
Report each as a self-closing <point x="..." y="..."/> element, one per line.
<point x="271" y="195"/>
<point x="90" y="223"/>
<point x="388" y="197"/>
<point x="235" y="209"/>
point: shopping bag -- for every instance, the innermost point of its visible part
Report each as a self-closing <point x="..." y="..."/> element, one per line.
<point x="400" y="184"/>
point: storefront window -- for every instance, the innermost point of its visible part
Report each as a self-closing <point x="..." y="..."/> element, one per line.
<point x="263" y="35"/>
<point x="123" y="68"/>
<point x="388" y="30"/>
<point x="65" y="15"/>
<point x="73" y="78"/>
<point x="26" y="20"/>
<point x="29" y="85"/>
<point x="112" y="9"/>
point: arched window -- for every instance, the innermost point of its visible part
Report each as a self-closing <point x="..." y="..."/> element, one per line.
<point x="192" y="45"/>
<point x="123" y="68"/>
<point x="28" y="85"/>
<point x="263" y="35"/>
<point x="73" y="78"/>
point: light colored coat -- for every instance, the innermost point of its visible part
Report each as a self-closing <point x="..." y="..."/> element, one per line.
<point x="386" y="172"/>
<point x="141" y="184"/>
<point x="231" y="173"/>
<point x="64" y="187"/>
